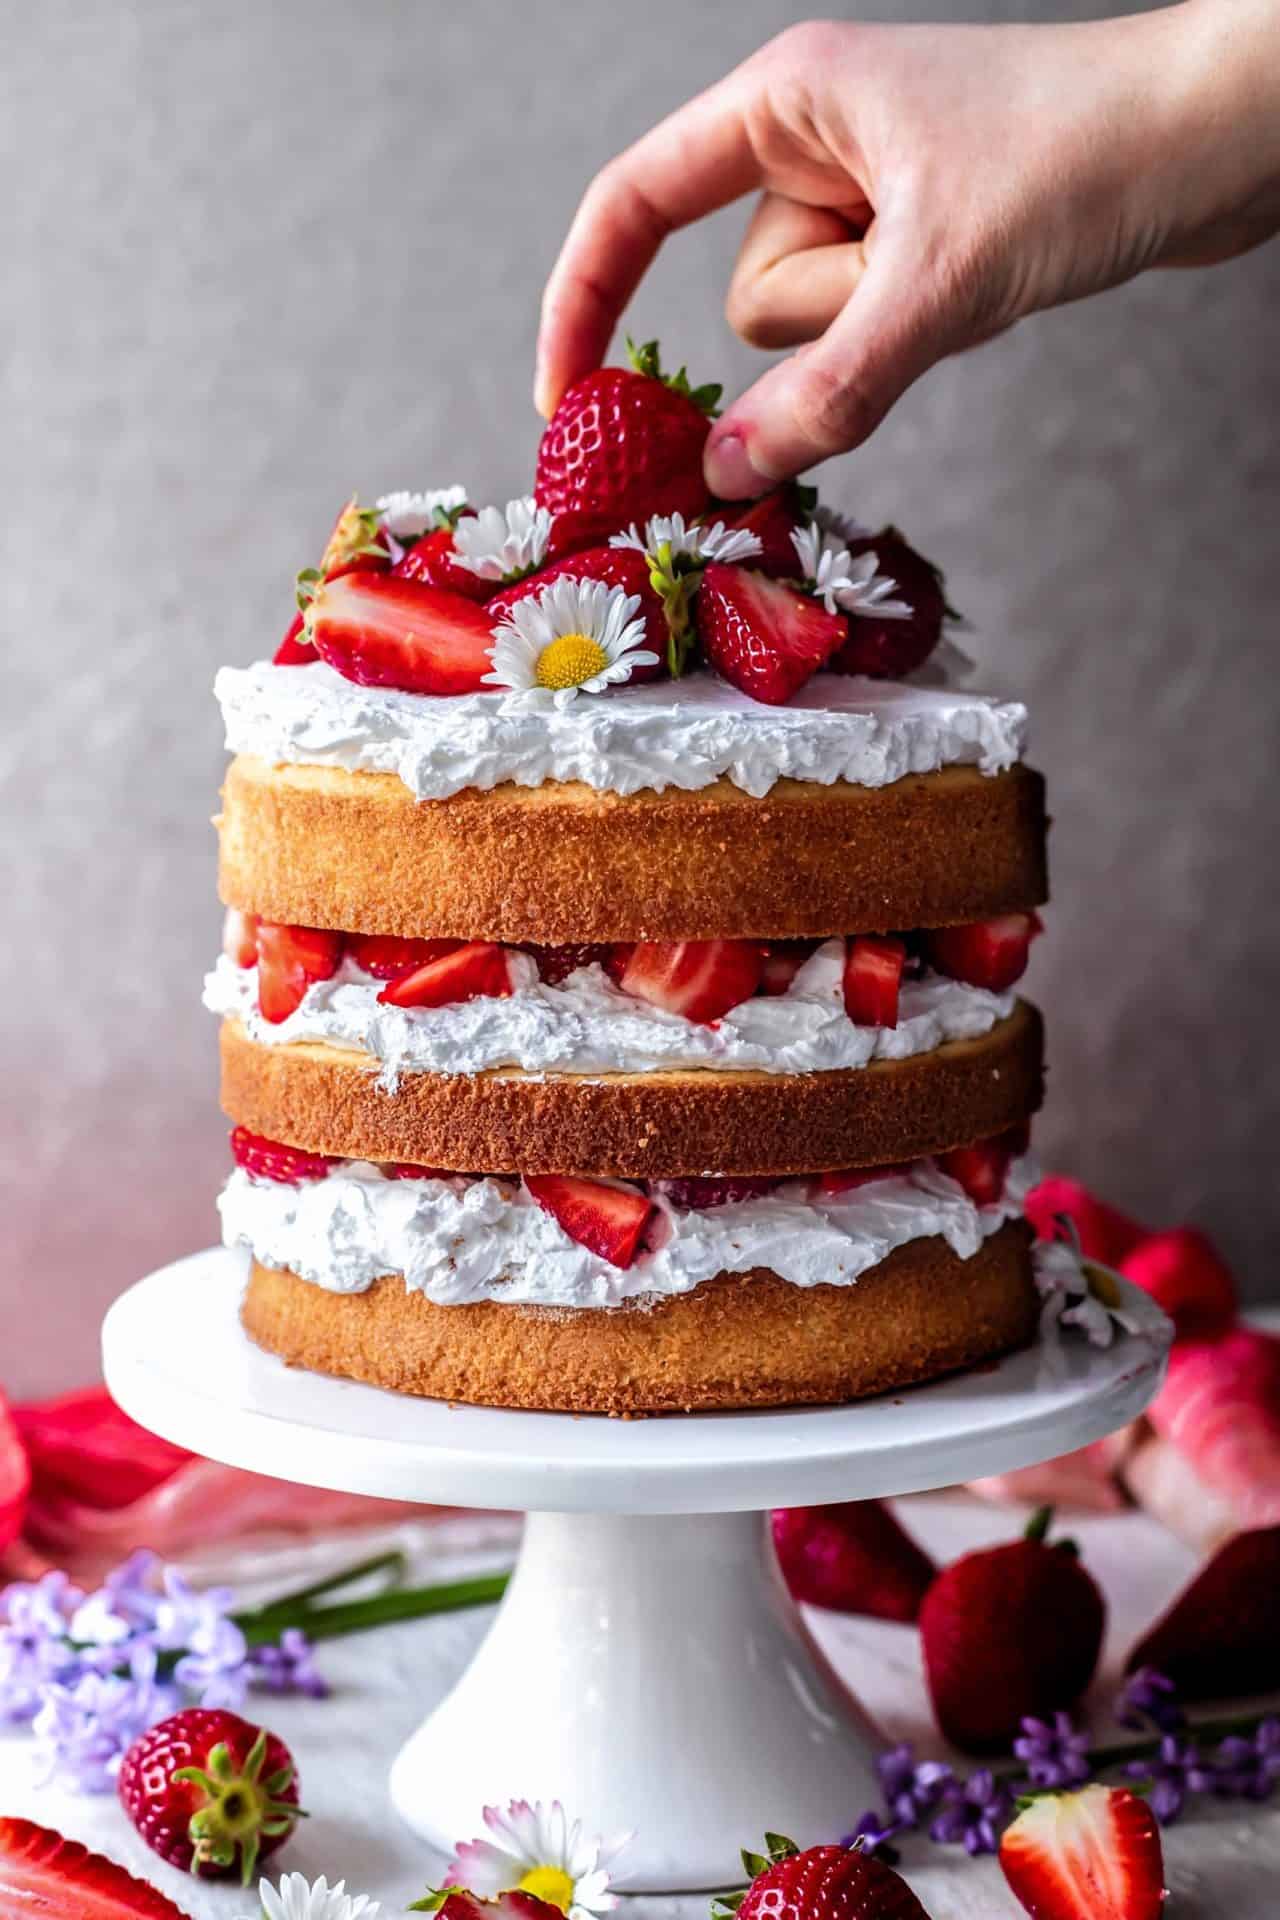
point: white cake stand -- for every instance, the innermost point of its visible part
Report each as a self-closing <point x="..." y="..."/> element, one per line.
<point x="646" y="1666"/>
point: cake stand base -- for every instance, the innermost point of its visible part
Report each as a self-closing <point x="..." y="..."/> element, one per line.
<point x="646" y="1667"/>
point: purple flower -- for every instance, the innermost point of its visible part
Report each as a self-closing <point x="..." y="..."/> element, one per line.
<point x="1177" y="1770"/>
<point x="83" y="1729"/>
<point x="875" y="1836"/>
<point x="1150" y="1697"/>
<point x="974" y="1813"/>
<point x="288" y="1667"/>
<point x="1246" y="1767"/>
<point x="214" y="1662"/>
<point x="122" y="1611"/>
<point x="1055" y="1753"/>
<point x="34" y="1648"/>
<point x="911" y="1789"/>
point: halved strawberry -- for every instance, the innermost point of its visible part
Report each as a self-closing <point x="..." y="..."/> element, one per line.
<point x="783" y="960"/>
<point x="388" y="957"/>
<point x="357" y="543"/>
<point x="1092" y="1855"/>
<point x="889" y="648"/>
<point x="294" y="650"/>
<point x="773" y="518"/>
<point x="609" y="1221"/>
<point x="381" y="631"/>
<point x="985" y="953"/>
<point x="49" y="1878"/>
<point x="980" y="1169"/>
<point x="872" y="979"/>
<point x="480" y="970"/>
<point x="704" y="1190"/>
<point x="700" y="979"/>
<point x="837" y="1180"/>
<point x="240" y="937"/>
<point x="764" y="637"/>
<point x="623" y="567"/>
<point x="433" y="562"/>
<point x="456" y="1903"/>
<point x="557" y="963"/>
<point x="290" y="959"/>
<point x="271" y="1160"/>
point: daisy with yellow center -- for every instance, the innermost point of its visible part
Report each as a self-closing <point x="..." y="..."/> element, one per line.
<point x="537" y="1849"/>
<point x="577" y="636"/>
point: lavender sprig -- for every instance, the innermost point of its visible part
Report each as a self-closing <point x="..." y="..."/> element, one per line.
<point x="974" y="1813"/>
<point x="1055" y="1753"/>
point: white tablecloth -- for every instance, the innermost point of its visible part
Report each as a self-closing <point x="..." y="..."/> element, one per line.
<point x="1222" y="1861"/>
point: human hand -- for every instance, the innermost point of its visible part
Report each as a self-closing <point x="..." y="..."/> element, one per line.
<point x="923" y="189"/>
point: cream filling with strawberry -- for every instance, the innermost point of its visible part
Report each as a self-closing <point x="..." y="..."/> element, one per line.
<point x="651" y="736"/>
<point x="458" y="1242"/>
<point x="586" y="1025"/>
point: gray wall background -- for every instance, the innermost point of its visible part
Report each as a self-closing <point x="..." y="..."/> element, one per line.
<point x="258" y="254"/>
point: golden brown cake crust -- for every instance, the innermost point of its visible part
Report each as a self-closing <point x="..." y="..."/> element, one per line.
<point x="746" y="1340"/>
<point x="643" y="1125"/>
<point x="322" y="847"/>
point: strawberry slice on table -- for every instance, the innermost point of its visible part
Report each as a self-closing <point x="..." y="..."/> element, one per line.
<point x="1092" y="1855"/>
<point x="387" y="956"/>
<point x="1218" y="1640"/>
<point x="625" y="443"/>
<point x="291" y="959"/>
<point x="1187" y="1277"/>
<point x="608" y="1220"/>
<point x="480" y="970"/>
<point x="433" y="562"/>
<point x="210" y="1792"/>
<point x="666" y="617"/>
<point x="383" y="631"/>
<point x="873" y="965"/>
<point x="823" y="1883"/>
<point x="783" y="960"/>
<point x="985" y="953"/>
<point x="48" y="1878"/>
<point x="981" y="1169"/>
<point x="889" y="648"/>
<point x="272" y="1160"/>
<point x="700" y="979"/>
<point x="240" y="937"/>
<point x="762" y="636"/>
<point x="852" y="1557"/>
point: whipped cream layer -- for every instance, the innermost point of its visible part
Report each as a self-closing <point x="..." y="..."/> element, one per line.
<point x="587" y="1025"/>
<point x="838" y="727"/>
<point x="460" y="1242"/>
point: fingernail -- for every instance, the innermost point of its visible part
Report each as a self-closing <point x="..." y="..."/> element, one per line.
<point x="728" y="468"/>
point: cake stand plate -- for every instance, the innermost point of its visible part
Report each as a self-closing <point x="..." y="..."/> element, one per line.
<point x="646" y="1666"/>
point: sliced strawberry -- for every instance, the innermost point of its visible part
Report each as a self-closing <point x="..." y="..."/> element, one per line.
<point x="889" y="648"/>
<point x="762" y="636"/>
<point x="609" y="1221"/>
<point x="986" y="953"/>
<point x="481" y="970"/>
<point x="1185" y="1274"/>
<point x="872" y="979"/>
<point x="705" y="1190"/>
<point x="388" y="957"/>
<point x="701" y="979"/>
<point x="356" y="545"/>
<point x="290" y="959"/>
<point x="838" y="1180"/>
<point x="557" y="963"/>
<point x="623" y="567"/>
<point x="1092" y="1855"/>
<point x="270" y="1160"/>
<point x="459" y="1904"/>
<point x="433" y="562"/>
<point x="240" y="937"/>
<point x="381" y="631"/>
<point x="295" y="650"/>
<point x="49" y="1878"/>
<point x="783" y="960"/>
<point x="981" y="1169"/>
<point x="773" y="519"/>
<point x="405" y="1170"/>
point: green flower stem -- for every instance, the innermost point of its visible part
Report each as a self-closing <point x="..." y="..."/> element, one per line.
<point x="378" y="1610"/>
<point x="395" y="1563"/>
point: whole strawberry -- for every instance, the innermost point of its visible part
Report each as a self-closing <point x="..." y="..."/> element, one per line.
<point x="823" y="1883"/>
<point x="853" y="1557"/>
<point x="1010" y="1631"/>
<point x="1218" y="1640"/>
<point x="889" y="648"/>
<point x="210" y="1792"/>
<point x="665" y="613"/>
<point x="625" y="443"/>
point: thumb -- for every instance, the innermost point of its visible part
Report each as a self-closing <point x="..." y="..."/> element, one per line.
<point x="831" y="395"/>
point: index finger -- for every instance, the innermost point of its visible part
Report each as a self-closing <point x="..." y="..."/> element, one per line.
<point x="696" y="160"/>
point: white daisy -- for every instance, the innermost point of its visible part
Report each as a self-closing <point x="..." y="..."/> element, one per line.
<point x="504" y="543"/>
<point x="667" y="538"/>
<point x="298" y="1899"/>
<point x="409" y="515"/>
<point x="576" y="636"/>
<point x="835" y="577"/>
<point x="1078" y="1293"/>
<point x="540" y="1851"/>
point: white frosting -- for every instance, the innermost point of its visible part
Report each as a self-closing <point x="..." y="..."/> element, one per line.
<point x="838" y="727"/>
<point x="458" y="1242"/>
<point x="587" y="1025"/>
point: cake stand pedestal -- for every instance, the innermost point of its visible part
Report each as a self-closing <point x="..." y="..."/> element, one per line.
<point x="646" y="1667"/>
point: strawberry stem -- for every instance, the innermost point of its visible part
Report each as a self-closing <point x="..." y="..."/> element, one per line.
<point x="1039" y="1524"/>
